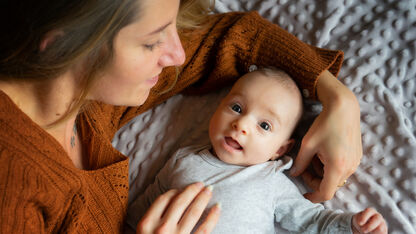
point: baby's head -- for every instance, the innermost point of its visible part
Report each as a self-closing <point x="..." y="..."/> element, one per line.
<point x="255" y="121"/>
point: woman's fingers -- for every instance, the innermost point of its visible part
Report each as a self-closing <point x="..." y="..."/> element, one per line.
<point x="304" y="158"/>
<point x="151" y="219"/>
<point x="179" y="211"/>
<point x="329" y="184"/>
<point x="326" y="187"/>
<point x="210" y="221"/>
<point x="318" y="167"/>
<point x="181" y="202"/>
<point x="195" y="210"/>
<point x="311" y="180"/>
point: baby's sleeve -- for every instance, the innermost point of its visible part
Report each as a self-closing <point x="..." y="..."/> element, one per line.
<point x="142" y="203"/>
<point x="297" y="214"/>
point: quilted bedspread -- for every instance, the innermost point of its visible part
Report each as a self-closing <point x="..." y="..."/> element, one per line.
<point x="379" y="41"/>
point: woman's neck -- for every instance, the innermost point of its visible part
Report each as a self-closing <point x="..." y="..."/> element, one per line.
<point x="45" y="102"/>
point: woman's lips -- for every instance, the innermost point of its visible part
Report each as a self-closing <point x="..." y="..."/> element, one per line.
<point x="152" y="81"/>
<point x="231" y="144"/>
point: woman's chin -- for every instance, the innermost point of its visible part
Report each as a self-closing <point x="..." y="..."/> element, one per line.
<point x="127" y="101"/>
<point x="137" y="101"/>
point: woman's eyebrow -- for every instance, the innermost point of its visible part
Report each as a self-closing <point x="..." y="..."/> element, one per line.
<point x="160" y="29"/>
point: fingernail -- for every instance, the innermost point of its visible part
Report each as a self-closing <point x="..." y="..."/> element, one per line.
<point x="218" y="206"/>
<point x="292" y="170"/>
<point x="200" y="184"/>
<point x="209" y="188"/>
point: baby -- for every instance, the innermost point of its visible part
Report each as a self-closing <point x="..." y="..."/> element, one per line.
<point x="251" y="128"/>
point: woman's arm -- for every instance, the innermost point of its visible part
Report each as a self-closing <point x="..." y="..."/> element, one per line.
<point x="224" y="49"/>
<point x="334" y="137"/>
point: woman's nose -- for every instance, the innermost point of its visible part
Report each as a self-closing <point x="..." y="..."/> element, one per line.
<point x="173" y="55"/>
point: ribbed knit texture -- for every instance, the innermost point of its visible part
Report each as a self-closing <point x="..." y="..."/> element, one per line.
<point x="40" y="189"/>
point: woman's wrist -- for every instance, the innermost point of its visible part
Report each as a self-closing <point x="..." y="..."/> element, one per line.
<point x="332" y="93"/>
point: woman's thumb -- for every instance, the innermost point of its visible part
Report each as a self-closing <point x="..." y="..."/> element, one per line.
<point x="303" y="159"/>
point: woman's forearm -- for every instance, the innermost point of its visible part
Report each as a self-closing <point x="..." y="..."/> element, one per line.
<point x="334" y="137"/>
<point x="332" y="93"/>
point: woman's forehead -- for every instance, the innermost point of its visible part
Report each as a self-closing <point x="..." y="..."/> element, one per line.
<point x="154" y="16"/>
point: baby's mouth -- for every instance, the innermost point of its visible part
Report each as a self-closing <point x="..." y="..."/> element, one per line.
<point x="233" y="143"/>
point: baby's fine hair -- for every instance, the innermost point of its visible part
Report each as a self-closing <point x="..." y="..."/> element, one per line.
<point x="285" y="80"/>
<point x="281" y="76"/>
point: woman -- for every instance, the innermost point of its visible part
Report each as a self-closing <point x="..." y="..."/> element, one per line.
<point x="69" y="68"/>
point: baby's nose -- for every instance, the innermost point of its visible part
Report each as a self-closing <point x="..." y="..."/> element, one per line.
<point x="239" y="128"/>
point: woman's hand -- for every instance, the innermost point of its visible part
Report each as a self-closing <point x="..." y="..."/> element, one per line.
<point x="368" y="221"/>
<point x="333" y="142"/>
<point x="179" y="211"/>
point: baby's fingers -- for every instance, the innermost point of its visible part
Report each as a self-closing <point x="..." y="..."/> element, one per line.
<point x="381" y="229"/>
<point x="364" y="215"/>
<point x="210" y="221"/>
<point x="373" y="223"/>
<point x="370" y="221"/>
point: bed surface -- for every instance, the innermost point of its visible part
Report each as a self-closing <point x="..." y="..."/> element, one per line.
<point x="379" y="41"/>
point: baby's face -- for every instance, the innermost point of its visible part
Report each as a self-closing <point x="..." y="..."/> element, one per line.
<point x="253" y="121"/>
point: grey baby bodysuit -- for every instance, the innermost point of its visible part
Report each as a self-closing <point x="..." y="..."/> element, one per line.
<point x="252" y="198"/>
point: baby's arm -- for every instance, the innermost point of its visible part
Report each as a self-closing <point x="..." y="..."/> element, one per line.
<point x="161" y="185"/>
<point x="138" y="207"/>
<point x="141" y="204"/>
<point x="295" y="213"/>
<point x="368" y="221"/>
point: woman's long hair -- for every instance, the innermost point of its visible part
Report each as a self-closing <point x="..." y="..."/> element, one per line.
<point x="82" y="32"/>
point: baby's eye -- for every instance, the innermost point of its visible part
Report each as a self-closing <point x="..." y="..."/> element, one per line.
<point x="266" y="126"/>
<point x="236" y="107"/>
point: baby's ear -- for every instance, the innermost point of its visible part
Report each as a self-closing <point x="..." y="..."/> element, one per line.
<point x="284" y="148"/>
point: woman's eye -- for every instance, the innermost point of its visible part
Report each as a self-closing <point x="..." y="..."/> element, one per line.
<point x="149" y="46"/>
<point x="236" y="108"/>
<point x="152" y="46"/>
<point x="266" y="126"/>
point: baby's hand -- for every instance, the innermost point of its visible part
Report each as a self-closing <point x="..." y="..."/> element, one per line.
<point x="368" y="221"/>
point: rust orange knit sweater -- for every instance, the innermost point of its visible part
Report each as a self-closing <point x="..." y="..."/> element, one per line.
<point x="40" y="189"/>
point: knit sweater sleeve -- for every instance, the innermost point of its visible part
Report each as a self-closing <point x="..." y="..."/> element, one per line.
<point x="235" y="41"/>
<point x="224" y="48"/>
<point x="20" y="207"/>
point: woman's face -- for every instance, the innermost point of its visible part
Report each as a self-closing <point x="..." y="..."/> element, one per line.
<point x="141" y="50"/>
